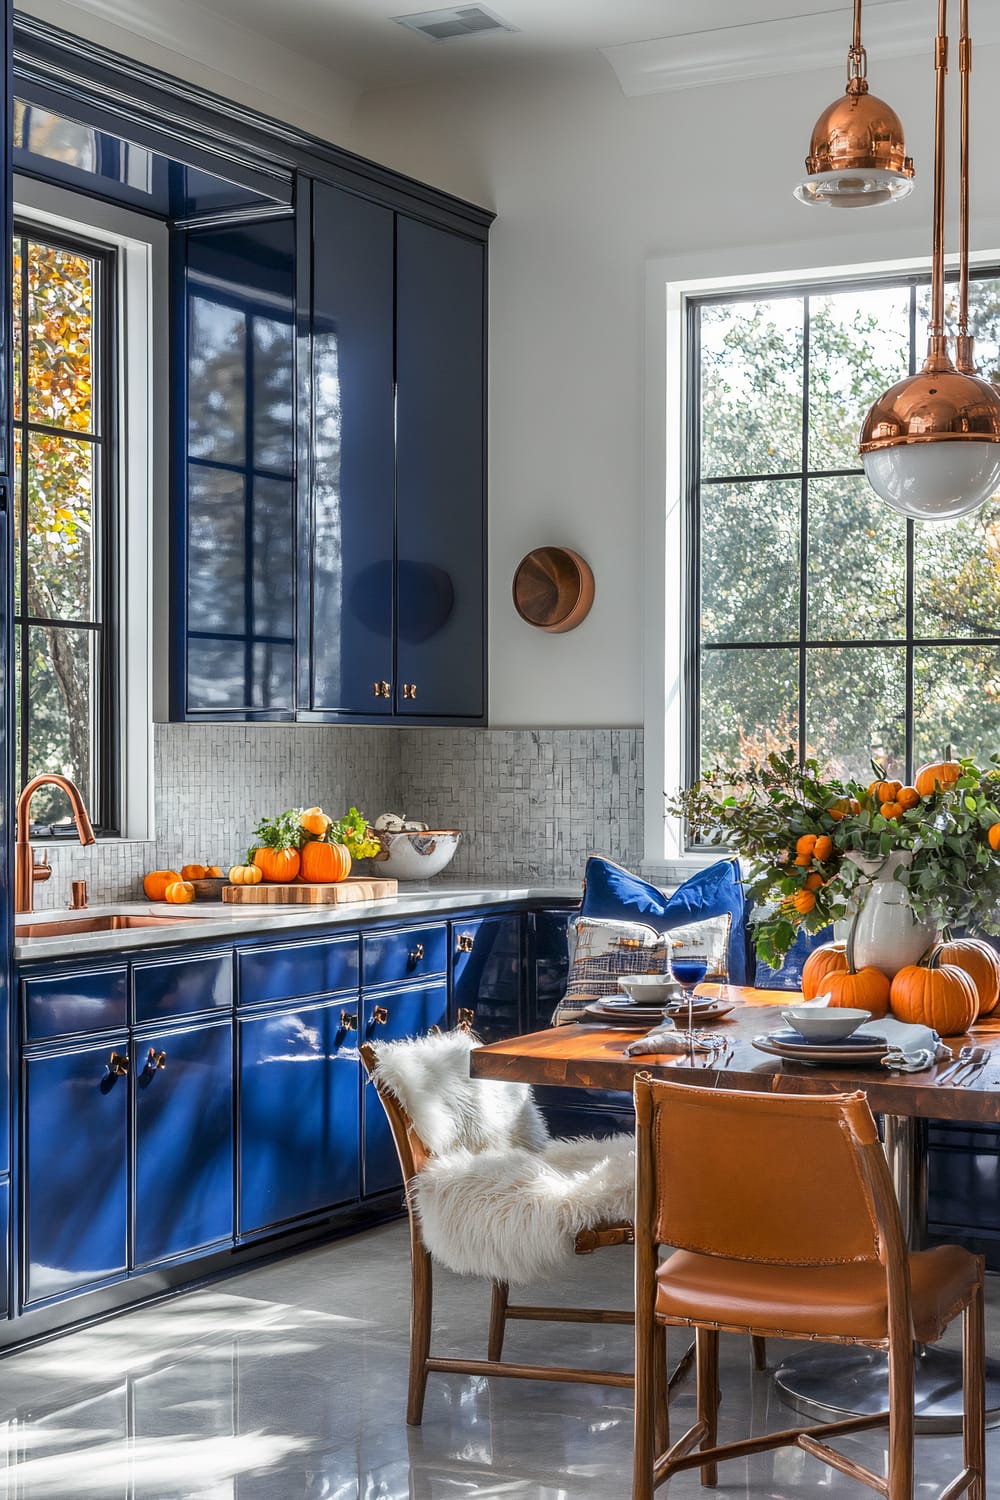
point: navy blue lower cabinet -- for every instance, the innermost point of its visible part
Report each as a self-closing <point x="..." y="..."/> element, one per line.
<point x="389" y="1016"/>
<point x="183" y="1141"/>
<point x="75" y="1171"/>
<point x="487" y="976"/>
<point x="299" y="1113"/>
<point x="548" y="964"/>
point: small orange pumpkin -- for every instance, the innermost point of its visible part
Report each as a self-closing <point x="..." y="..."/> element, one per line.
<point x="214" y="872"/>
<point x="325" y="861"/>
<point x="803" y="901"/>
<point x="277" y="864"/>
<point x="936" y="776"/>
<point x="315" y="821"/>
<point x="860" y="989"/>
<point x="194" y="872"/>
<point x="245" y="875"/>
<point x="179" y="892"/>
<point x="814" y="881"/>
<point x="823" y="847"/>
<point x="907" y="796"/>
<point x="981" y="962"/>
<point x="155" y="883"/>
<point x="886" y="791"/>
<point x="806" y="844"/>
<point x="993" y="837"/>
<point x="935" y="994"/>
<point x="831" y="958"/>
<point x="891" y="810"/>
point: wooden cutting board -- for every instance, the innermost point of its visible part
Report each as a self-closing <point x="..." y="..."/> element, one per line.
<point x="307" y="893"/>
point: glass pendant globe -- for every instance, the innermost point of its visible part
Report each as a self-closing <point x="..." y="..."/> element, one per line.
<point x="853" y="188"/>
<point x="935" y="481"/>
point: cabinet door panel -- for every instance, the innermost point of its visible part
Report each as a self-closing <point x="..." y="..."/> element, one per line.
<point x="75" y="1170"/>
<point x="487" y="976"/>
<point x="238" y="650"/>
<point x="439" y="468"/>
<point x="389" y="1016"/>
<point x="353" y="477"/>
<point x="183" y="1141"/>
<point x="299" y="1113"/>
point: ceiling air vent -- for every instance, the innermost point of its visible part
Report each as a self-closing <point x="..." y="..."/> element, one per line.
<point x="454" y="21"/>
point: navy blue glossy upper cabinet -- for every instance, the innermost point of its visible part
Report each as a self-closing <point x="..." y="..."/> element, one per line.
<point x="347" y="539"/>
<point x="440" y="474"/>
<point x="234" y="542"/>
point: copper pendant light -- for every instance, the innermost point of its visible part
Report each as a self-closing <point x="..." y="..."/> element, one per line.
<point x="857" y="156"/>
<point x="931" y="444"/>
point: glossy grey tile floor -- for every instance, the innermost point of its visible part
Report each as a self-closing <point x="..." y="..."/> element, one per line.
<point x="289" y="1383"/>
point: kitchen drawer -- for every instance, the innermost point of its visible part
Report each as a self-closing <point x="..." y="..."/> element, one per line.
<point x="182" y="985"/>
<point x="95" y="999"/>
<point x="290" y="971"/>
<point x="410" y="953"/>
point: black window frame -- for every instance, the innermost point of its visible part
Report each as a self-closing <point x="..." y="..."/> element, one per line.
<point x="695" y="484"/>
<point x="106" y="748"/>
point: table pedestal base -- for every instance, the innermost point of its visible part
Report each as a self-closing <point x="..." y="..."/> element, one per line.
<point x="835" y="1381"/>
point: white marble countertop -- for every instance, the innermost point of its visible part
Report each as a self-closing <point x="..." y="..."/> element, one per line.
<point x="208" y="920"/>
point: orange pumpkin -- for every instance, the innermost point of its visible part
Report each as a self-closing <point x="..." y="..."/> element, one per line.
<point x="277" y="864"/>
<point x="803" y="901"/>
<point x="245" y="875"/>
<point x="155" y="883"/>
<point x="179" y="892"/>
<point x="194" y="872"/>
<point x="814" y="881"/>
<point x="325" y="861"/>
<point x="936" y="776"/>
<point x="981" y="962"/>
<point x="907" y="796"/>
<point x="315" y="821"/>
<point x="861" y="989"/>
<point x="806" y="844"/>
<point x="994" y="837"/>
<point x="839" y="809"/>
<point x="214" y="872"/>
<point x="885" y="791"/>
<point x="831" y="958"/>
<point x="935" y="994"/>
<point x="891" y="810"/>
<point x="823" y="847"/>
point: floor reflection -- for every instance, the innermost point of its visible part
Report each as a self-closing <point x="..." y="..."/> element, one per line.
<point x="289" y="1383"/>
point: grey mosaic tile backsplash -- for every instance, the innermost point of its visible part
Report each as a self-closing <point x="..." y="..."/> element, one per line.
<point x="531" y="803"/>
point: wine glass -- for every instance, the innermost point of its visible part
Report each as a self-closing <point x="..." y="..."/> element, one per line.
<point x="689" y="972"/>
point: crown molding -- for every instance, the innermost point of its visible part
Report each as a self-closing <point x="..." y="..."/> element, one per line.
<point x="769" y="49"/>
<point x="227" y="58"/>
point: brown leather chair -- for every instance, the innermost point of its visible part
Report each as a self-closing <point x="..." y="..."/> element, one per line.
<point x="782" y="1214"/>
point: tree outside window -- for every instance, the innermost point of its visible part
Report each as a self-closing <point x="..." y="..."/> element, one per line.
<point x="64" y="573"/>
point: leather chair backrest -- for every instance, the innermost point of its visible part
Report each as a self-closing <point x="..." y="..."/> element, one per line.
<point x="780" y="1179"/>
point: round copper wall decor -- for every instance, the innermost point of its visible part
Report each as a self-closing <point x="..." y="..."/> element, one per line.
<point x="553" y="589"/>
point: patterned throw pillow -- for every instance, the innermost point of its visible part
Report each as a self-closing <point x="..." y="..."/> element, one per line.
<point x="600" y="953"/>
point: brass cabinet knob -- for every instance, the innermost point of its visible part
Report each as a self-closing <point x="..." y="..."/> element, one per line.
<point x="380" y="1015"/>
<point x="118" y="1064"/>
<point x="464" y="943"/>
<point x="465" y="1018"/>
<point x="348" y="1021"/>
<point x="416" y="954"/>
<point x="155" y="1060"/>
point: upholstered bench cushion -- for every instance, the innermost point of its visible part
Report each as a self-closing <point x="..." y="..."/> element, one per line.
<point x="514" y="1215"/>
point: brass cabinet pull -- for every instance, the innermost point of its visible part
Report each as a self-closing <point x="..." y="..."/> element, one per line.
<point x="409" y="689"/>
<point x="376" y="690"/>
<point x="155" y="1060"/>
<point x="381" y="689"/>
<point x="417" y="953"/>
<point x="465" y="1018"/>
<point x="380" y="1015"/>
<point x="464" y="943"/>
<point x="348" y="1021"/>
<point x="386" y="689"/>
<point x="118" y="1064"/>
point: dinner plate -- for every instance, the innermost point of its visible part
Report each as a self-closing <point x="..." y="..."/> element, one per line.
<point x="866" y="1050"/>
<point x="628" y="1017"/>
<point x="703" y="1009"/>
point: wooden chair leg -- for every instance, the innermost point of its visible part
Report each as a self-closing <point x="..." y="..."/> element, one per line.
<point x="661" y="1396"/>
<point x="974" y="1393"/>
<point x="759" y="1347"/>
<point x="421" y="1304"/>
<point x="643" y="1429"/>
<point x="498" y="1319"/>
<point x="900" y="1478"/>
<point x="707" y="1340"/>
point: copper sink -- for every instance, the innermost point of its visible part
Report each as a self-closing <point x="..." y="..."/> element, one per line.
<point x="66" y="926"/>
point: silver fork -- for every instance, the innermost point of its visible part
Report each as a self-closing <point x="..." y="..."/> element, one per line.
<point x="962" y="1060"/>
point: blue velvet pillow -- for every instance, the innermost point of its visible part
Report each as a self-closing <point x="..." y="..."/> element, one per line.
<point x="614" y="894"/>
<point x="789" y="976"/>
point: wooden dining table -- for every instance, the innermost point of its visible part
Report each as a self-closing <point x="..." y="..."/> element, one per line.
<point x="826" y="1382"/>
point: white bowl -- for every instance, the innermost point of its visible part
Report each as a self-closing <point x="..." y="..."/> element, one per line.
<point x="652" y="989"/>
<point x="416" y="856"/>
<point x="825" y="1024"/>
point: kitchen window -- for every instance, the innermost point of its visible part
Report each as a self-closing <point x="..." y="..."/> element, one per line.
<point x="65" y="525"/>
<point x="816" y="616"/>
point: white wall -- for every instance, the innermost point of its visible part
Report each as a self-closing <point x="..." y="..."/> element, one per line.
<point x="590" y="187"/>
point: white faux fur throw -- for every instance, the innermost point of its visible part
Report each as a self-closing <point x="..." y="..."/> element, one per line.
<point x="500" y="1198"/>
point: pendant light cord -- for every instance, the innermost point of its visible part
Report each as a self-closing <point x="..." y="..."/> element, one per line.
<point x="964" y="343"/>
<point x="857" y="58"/>
<point x="938" y="344"/>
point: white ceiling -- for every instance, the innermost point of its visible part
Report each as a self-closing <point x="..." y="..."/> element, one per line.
<point x="359" y="41"/>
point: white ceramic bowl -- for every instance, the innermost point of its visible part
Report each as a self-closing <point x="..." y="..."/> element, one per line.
<point x="416" y="856"/>
<point x="651" y="989"/>
<point x="825" y="1024"/>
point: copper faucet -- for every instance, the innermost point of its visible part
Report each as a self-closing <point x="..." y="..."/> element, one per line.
<point x="26" y="871"/>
